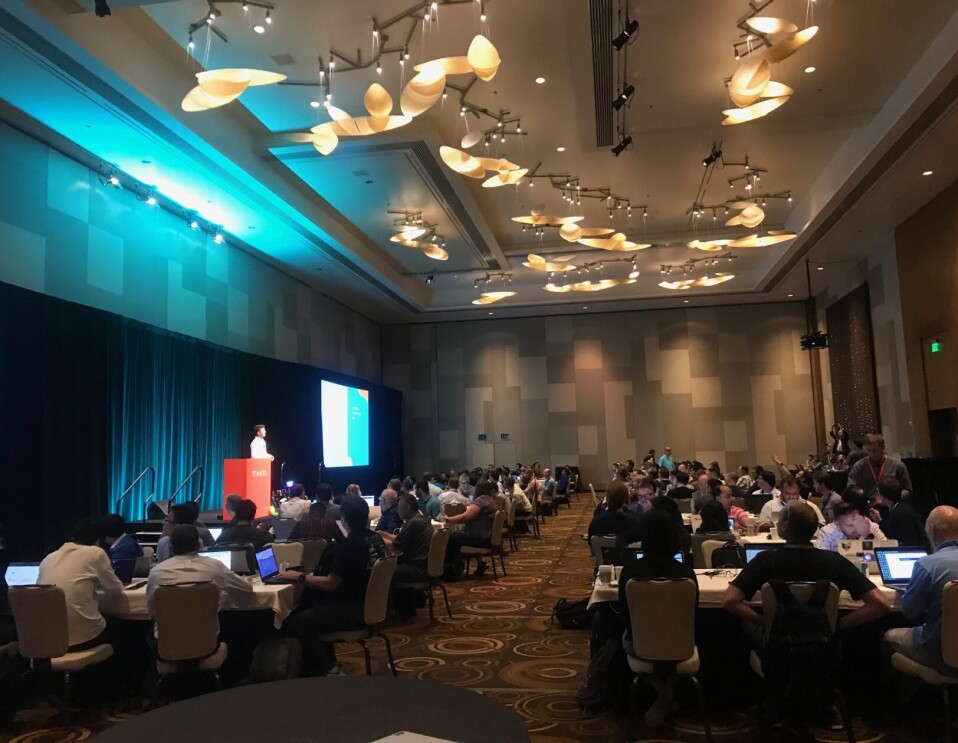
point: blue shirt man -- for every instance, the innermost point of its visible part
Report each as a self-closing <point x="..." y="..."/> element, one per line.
<point x="666" y="460"/>
<point x="923" y="595"/>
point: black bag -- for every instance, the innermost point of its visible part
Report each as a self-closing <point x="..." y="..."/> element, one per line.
<point x="593" y="695"/>
<point x="800" y="657"/>
<point x="275" y="659"/>
<point x="729" y="555"/>
<point x="571" y="614"/>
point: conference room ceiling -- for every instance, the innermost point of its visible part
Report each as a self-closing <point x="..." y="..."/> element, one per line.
<point x="332" y="212"/>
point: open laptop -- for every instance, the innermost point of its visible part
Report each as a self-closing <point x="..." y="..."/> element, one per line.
<point x="215" y="532"/>
<point x="222" y="556"/>
<point x="752" y="550"/>
<point x="370" y="500"/>
<point x="268" y="568"/>
<point x="621" y="555"/>
<point x="864" y="549"/>
<point x="22" y="574"/>
<point x="897" y="563"/>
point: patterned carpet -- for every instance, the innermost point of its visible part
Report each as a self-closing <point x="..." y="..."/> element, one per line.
<point x="500" y="644"/>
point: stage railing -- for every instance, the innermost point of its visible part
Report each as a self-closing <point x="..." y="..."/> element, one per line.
<point x="152" y="472"/>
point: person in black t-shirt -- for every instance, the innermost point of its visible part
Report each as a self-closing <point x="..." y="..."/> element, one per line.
<point x="798" y="560"/>
<point x="615" y="519"/>
<point x="341" y="585"/>
<point x="412" y="542"/>
<point x="681" y="489"/>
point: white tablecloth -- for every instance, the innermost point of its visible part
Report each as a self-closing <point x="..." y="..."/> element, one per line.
<point x="131" y="604"/>
<point x="712" y="590"/>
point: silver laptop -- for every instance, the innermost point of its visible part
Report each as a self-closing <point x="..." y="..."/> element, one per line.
<point x="224" y="557"/>
<point x="897" y="563"/>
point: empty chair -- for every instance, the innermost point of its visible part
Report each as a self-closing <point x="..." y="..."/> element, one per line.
<point x="663" y="633"/>
<point x="949" y="653"/>
<point x="374" y="613"/>
<point x="707" y="548"/>
<point x="312" y="553"/>
<point x="290" y="552"/>
<point x="494" y="550"/>
<point x="435" y="566"/>
<point x="187" y="629"/>
<point x="597" y="542"/>
<point x="40" y="613"/>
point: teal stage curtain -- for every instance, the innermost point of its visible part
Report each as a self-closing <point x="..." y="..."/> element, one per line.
<point x="176" y="405"/>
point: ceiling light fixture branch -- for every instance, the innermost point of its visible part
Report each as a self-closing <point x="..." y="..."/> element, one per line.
<point x="213" y="13"/>
<point x="687" y="267"/>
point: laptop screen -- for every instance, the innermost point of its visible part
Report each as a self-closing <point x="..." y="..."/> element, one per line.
<point x="221" y="556"/>
<point x="752" y="550"/>
<point x="678" y="556"/>
<point x="897" y="564"/>
<point x="215" y="533"/>
<point x="370" y="500"/>
<point x="22" y="573"/>
<point x="266" y="561"/>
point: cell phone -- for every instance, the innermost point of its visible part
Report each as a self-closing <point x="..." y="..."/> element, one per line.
<point x="731" y="524"/>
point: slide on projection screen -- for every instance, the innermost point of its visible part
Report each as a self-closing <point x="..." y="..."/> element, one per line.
<point x="345" y="426"/>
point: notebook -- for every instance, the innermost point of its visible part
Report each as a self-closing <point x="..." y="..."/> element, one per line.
<point x="22" y="573"/>
<point x="897" y="563"/>
<point x="752" y="550"/>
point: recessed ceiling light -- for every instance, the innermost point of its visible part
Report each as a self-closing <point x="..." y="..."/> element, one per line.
<point x="560" y="149"/>
<point x="585" y="307"/>
<point x="540" y="80"/>
<point x="928" y="172"/>
<point x="314" y="104"/>
<point x="821" y="268"/>
<point x="791" y="295"/>
<point x="259" y="29"/>
<point x="809" y="69"/>
<point x="490" y="313"/>
<point x="685" y="301"/>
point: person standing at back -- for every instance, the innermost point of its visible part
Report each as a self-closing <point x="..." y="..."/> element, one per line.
<point x="878" y="468"/>
<point x="666" y="460"/>
<point x="82" y="569"/>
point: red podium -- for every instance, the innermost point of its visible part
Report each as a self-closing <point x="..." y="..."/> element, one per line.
<point x="249" y="478"/>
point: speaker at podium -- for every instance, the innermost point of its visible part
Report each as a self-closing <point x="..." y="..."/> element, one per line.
<point x="250" y="479"/>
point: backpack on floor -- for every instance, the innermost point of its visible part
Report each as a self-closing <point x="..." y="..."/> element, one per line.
<point x="607" y="680"/>
<point x="571" y="614"/>
<point x="800" y="657"/>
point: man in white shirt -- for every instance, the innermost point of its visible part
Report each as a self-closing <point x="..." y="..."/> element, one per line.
<point x="520" y="496"/>
<point x="257" y="447"/>
<point x="790" y="492"/>
<point x="452" y="494"/>
<point x="81" y="569"/>
<point x="188" y="567"/>
<point x="851" y="522"/>
<point x="297" y="505"/>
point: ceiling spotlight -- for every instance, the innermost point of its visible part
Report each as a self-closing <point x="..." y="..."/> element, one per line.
<point x="113" y="180"/>
<point x="193" y="221"/>
<point x="315" y="104"/>
<point x="630" y="30"/>
<point x="713" y="156"/>
<point x="560" y="149"/>
<point x="624" y="97"/>
<point x="259" y="29"/>
<point x="191" y="45"/>
<point x="218" y="237"/>
<point x="540" y="80"/>
<point x="622" y="146"/>
<point x="269" y="20"/>
<point x="928" y="172"/>
<point x="809" y="70"/>
<point x="245" y="6"/>
<point x="430" y="278"/>
<point x="150" y="200"/>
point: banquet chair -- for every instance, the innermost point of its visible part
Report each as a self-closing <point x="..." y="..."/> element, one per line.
<point x="453" y="509"/>
<point x="313" y="550"/>
<point x="288" y="552"/>
<point x="143" y="563"/>
<point x="282" y="528"/>
<point x="802" y="591"/>
<point x="374" y="613"/>
<point x="435" y="566"/>
<point x="40" y="614"/>
<point x="598" y="542"/>
<point x="662" y="613"/>
<point x="949" y="653"/>
<point x="187" y="629"/>
<point x="708" y="548"/>
<point x="494" y="550"/>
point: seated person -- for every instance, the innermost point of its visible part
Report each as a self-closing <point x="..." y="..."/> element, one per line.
<point x="714" y="527"/>
<point x="120" y="545"/>
<point x="390" y="520"/>
<point x="902" y="521"/>
<point x="561" y="494"/>
<point x="514" y="492"/>
<point x="315" y="525"/>
<point x="296" y="505"/>
<point x="412" y="542"/>
<point x="428" y="503"/>
<point x="616" y="518"/>
<point x="922" y="597"/>
<point x="764" y="493"/>
<point x="549" y="483"/>
<point x="477" y="523"/>
<point x="232" y="501"/>
<point x="338" y="586"/>
<point x="206" y="539"/>
<point x="824" y="487"/>
<point x="851" y="522"/>
<point x="644" y="492"/>
<point x="703" y="491"/>
<point x="659" y="545"/>
<point x="186" y="566"/>
<point x="452" y="494"/>
<point x="324" y="494"/>
<point x="242" y="531"/>
<point x="668" y="505"/>
<point x="178" y="515"/>
<point x="81" y="569"/>
<point x="798" y="560"/>
<point x="724" y="495"/>
<point x="680" y="485"/>
<point x="791" y="493"/>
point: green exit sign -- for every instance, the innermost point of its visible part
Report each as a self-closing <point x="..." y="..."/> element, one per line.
<point x="936" y="346"/>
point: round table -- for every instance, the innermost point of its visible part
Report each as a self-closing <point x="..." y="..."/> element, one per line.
<point x="335" y="708"/>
